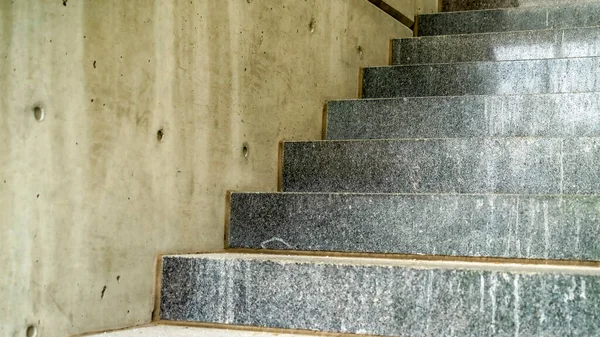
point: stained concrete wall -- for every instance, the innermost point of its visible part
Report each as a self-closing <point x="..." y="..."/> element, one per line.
<point x="427" y="6"/>
<point x="90" y="195"/>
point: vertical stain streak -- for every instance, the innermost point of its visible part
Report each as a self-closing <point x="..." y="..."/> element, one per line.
<point x="482" y="293"/>
<point x="546" y="230"/>
<point x="562" y="171"/>
<point x="516" y="309"/>
<point x="492" y="294"/>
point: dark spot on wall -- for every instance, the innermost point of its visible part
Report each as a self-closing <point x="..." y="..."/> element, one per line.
<point x="118" y="278"/>
<point x="92" y="100"/>
<point x="38" y="196"/>
<point x="65" y="3"/>
<point x="103" y="291"/>
<point x="94" y="64"/>
<point x="160" y="135"/>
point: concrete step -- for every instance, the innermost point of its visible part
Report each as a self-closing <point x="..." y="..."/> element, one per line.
<point x="381" y="297"/>
<point x="483" y="78"/>
<point x="461" y="165"/>
<point x="161" y="330"/>
<point x="547" y="115"/>
<point x="466" y="5"/>
<point x="523" y="45"/>
<point x="513" y="19"/>
<point x="491" y="226"/>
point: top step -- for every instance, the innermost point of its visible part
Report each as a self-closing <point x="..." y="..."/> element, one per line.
<point x="513" y="19"/>
<point x="468" y="5"/>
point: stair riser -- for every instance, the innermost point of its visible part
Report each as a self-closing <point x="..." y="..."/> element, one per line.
<point x="483" y="78"/>
<point x="506" y="20"/>
<point x="378" y="300"/>
<point x="470" y="165"/>
<point x="465" y="5"/>
<point x="552" y="115"/>
<point x="526" y="45"/>
<point x="497" y="226"/>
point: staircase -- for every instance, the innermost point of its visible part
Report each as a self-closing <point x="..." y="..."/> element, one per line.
<point x="460" y="197"/>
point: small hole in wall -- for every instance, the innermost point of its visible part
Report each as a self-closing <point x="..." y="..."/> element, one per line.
<point x="39" y="113"/>
<point x="31" y="331"/>
<point x="245" y="150"/>
<point x="312" y="25"/>
<point x="160" y="135"/>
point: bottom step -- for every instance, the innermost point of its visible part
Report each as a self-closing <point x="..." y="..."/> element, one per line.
<point x="382" y="297"/>
<point x="184" y="331"/>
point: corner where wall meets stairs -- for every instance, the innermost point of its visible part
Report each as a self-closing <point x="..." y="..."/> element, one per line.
<point x="459" y="197"/>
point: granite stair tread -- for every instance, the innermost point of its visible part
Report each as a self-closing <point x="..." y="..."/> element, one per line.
<point x="567" y="75"/>
<point x="484" y="225"/>
<point x="543" y="115"/>
<point x="384" y="297"/>
<point x="510" y="19"/>
<point x="465" y="5"/>
<point x="452" y="165"/>
<point x="503" y="46"/>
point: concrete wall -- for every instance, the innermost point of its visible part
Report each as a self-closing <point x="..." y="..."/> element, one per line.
<point x="90" y="195"/>
<point x="427" y="6"/>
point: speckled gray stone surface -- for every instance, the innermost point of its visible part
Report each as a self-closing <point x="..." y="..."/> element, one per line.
<point x="464" y="5"/>
<point x="505" y="20"/>
<point x="379" y="297"/>
<point x="462" y="165"/>
<point x="484" y="78"/>
<point x="524" y="45"/>
<point x="549" y="115"/>
<point x="505" y="226"/>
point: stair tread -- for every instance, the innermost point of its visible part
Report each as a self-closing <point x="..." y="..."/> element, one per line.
<point x="451" y="165"/>
<point x="509" y="19"/>
<point x="384" y="297"/>
<point x="544" y="115"/>
<point x="486" y="225"/>
<point x="566" y="75"/>
<point x="498" y="46"/>
<point x="464" y="5"/>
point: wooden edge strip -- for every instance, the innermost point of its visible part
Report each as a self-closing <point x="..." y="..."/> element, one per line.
<point x="227" y="218"/>
<point x="360" y="82"/>
<point x="280" y="167"/>
<point x="396" y="14"/>
<point x="416" y="27"/>
<point x="441" y="258"/>
<point x="157" y="287"/>
<point x="325" y="120"/>
<point x="250" y="328"/>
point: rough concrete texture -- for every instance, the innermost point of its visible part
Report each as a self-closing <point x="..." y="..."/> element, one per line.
<point x="427" y="6"/>
<point x="523" y="45"/>
<point x="382" y="297"/>
<point x="184" y="331"/>
<point x="500" y="226"/>
<point x="89" y="196"/>
<point x="548" y="115"/>
<point x="512" y="19"/>
<point x="465" y="5"/>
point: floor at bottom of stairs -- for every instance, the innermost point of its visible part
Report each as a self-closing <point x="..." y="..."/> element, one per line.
<point x="187" y="331"/>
